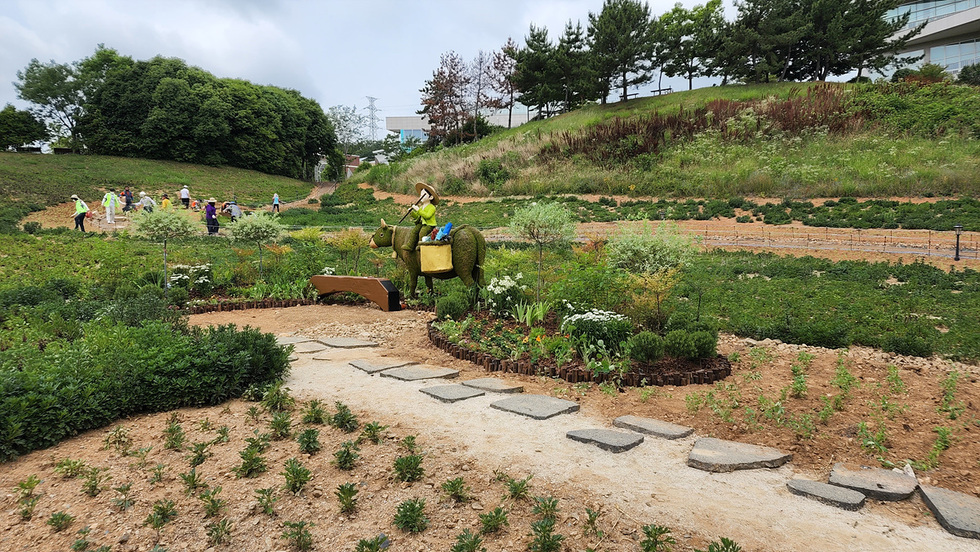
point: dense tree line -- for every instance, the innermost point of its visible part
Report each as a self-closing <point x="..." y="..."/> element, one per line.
<point x="164" y="109"/>
<point x="19" y="127"/>
<point x="624" y="45"/>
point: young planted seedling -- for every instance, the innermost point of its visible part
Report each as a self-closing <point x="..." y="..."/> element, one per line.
<point x="468" y="542"/>
<point x="309" y="441"/>
<point x="281" y="425"/>
<point x="157" y="476"/>
<point x="657" y="539"/>
<point x="894" y="379"/>
<point x="948" y="402"/>
<point x="266" y="499"/>
<point x="314" y="413"/>
<point x="123" y="502"/>
<point x="347" y="495"/>
<point x="346" y="456"/>
<point x="222" y="435"/>
<point x="140" y="455"/>
<point x="93" y="479"/>
<point x="253" y="412"/>
<point x="277" y="398"/>
<point x="410" y="516"/>
<point x="60" y="520"/>
<point x="544" y="538"/>
<point x="252" y="463"/>
<point x="192" y="482"/>
<point x="174" y="436"/>
<point x="27" y="505"/>
<point x="546" y="507"/>
<point x="372" y="432"/>
<point x="409" y="444"/>
<point x="344" y="419"/>
<point x="25" y="488"/>
<point x="298" y="533"/>
<point x="591" y="526"/>
<point x="261" y="442"/>
<point x="377" y="544"/>
<point x="212" y="504"/>
<point x="457" y="489"/>
<point x="119" y="439"/>
<point x="725" y="545"/>
<point x="519" y="489"/>
<point x="493" y="521"/>
<point x="164" y="511"/>
<point x="409" y="468"/>
<point x="297" y="476"/>
<point x="873" y="442"/>
<point x="68" y="468"/>
<point x="199" y="453"/>
<point x="219" y="532"/>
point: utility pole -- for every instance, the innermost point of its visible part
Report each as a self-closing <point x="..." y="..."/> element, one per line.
<point x="373" y="117"/>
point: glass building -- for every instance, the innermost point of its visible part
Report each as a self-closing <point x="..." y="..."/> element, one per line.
<point x="951" y="37"/>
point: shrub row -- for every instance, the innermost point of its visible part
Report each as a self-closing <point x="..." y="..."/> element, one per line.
<point x="52" y="391"/>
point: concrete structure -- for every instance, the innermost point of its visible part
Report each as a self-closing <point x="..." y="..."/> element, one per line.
<point x="951" y="37"/>
<point x="417" y="126"/>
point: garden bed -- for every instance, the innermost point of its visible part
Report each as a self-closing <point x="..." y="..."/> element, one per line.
<point x="667" y="371"/>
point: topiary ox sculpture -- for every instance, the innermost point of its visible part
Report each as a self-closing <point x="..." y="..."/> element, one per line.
<point x="468" y="251"/>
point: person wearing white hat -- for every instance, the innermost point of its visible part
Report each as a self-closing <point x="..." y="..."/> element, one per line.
<point x="211" y="217"/>
<point x="146" y="202"/>
<point x="81" y="209"/>
<point x="185" y="197"/>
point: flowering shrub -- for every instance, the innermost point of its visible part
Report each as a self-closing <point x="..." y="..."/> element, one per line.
<point x="503" y="294"/>
<point x="196" y="278"/>
<point x="591" y="327"/>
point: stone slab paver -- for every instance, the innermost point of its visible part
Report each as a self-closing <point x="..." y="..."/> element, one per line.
<point x="606" y="439"/>
<point x="324" y="354"/>
<point x="958" y="513"/>
<point x="293" y="358"/>
<point x="876" y="483"/>
<point x="308" y="347"/>
<point x="384" y="364"/>
<point x="415" y="373"/>
<point x="840" y="497"/>
<point x="539" y="407"/>
<point x="452" y="393"/>
<point x="493" y="385"/>
<point x="654" y="427"/>
<point x="348" y="343"/>
<point x="291" y="339"/>
<point x="717" y="455"/>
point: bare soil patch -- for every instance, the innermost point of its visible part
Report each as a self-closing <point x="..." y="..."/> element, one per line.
<point x="649" y="484"/>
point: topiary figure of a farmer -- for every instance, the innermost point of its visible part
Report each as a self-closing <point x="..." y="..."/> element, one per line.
<point x="424" y="213"/>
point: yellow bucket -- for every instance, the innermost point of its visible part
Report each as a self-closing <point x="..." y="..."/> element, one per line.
<point x="436" y="258"/>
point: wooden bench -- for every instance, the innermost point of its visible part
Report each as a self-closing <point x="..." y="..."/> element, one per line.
<point x="379" y="290"/>
<point x="661" y="91"/>
<point x="625" y="97"/>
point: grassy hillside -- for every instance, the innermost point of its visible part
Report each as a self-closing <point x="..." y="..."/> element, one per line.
<point x="782" y="140"/>
<point x="51" y="179"/>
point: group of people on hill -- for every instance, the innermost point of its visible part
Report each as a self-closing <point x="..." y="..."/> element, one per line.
<point x="112" y="201"/>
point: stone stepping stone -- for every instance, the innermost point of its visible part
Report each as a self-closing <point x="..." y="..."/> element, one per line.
<point x="372" y="368"/>
<point x="308" y="347"/>
<point x="606" y="439"/>
<point x="293" y="358"/>
<point x="292" y="339"/>
<point x="348" y="343"/>
<point x="958" y="513"/>
<point x="324" y="355"/>
<point x="654" y="427"/>
<point x="828" y="494"/>
<point x="717" y="455"/>
<point x="493" y="385"/>
<point x="876" y="483"/>
<point x="415" y="373"/>
<point x="539" y="407"/>
<point x="452" y="393"/>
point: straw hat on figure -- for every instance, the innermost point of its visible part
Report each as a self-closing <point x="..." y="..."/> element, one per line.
<point x="424" y="213"/>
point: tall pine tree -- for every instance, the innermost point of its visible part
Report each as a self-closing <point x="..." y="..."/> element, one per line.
<point x="621" y="41"/>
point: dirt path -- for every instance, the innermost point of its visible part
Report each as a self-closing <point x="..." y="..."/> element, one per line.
<point x="650" y="483"/>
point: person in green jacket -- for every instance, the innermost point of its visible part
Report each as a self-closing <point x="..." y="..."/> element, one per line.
<point x="80" y="210"/>
<point x="424" y="213"/>
<point x="110" y="200"/>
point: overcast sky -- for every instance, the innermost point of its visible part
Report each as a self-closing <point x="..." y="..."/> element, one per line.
<point x="337" y="52"/>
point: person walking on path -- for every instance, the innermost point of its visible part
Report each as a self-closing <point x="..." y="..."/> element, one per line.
<point x="127" y="197"/>
<point x="109" y="201"/>
<point x="185" y="197"/>
<point x="211" y="217"/>
<point x="165" y="203"/>
<point x="146" y="202"/>
<point x="81" y="210"/>
<point x="275" y="202"/>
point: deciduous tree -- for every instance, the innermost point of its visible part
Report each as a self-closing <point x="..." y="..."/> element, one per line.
<point x="19" y="127"/>
<point x="501" y="73"/>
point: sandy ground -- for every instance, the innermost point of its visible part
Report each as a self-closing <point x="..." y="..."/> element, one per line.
<point x="651" y="482"/>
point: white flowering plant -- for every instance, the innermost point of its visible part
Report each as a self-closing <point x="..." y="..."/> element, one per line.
<point x="196" y="278"/>
<point x="598" y="326"/>
<point x="503" y="294"/>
